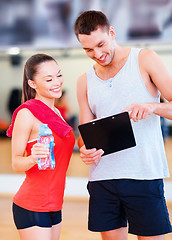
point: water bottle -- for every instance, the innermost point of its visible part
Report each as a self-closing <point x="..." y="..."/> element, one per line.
<point x="45" y="137"/>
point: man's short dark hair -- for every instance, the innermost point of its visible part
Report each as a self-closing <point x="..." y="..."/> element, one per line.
<point x="90" y="21"/>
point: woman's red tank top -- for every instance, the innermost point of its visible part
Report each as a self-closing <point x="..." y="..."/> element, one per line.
<point x="43" y="190"/>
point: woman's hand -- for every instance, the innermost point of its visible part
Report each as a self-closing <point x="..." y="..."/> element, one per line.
<point x="90" y="156"/>
<point x="39" y="151"/>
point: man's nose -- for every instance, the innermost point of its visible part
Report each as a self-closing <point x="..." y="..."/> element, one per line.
<point x="97" y="53"/>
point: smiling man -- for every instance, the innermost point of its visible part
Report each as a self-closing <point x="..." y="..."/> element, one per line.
<point x="126" y="186"/>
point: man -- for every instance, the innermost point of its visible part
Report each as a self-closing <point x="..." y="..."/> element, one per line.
<point x="127" y="185"/>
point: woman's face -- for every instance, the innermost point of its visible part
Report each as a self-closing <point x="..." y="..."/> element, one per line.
<point x="48" y="80"/>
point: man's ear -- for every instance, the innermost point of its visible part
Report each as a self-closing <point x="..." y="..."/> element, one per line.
<point x="112" y="32"/>
<point x="31" y="83"/>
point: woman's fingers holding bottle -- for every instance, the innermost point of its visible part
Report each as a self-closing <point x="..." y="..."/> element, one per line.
<point x="39" y="151"/>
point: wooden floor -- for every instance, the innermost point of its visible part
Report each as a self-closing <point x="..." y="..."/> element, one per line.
<point x="74" y="225"/>
<point x="75" y="210"/>
<point x="74" y="221"/>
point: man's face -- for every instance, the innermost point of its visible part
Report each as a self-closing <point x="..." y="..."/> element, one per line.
<point x="99" y="45"/>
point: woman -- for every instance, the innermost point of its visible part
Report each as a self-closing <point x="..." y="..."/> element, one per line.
<point x="38" y="203"/>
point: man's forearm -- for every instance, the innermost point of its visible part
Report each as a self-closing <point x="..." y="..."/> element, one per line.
<point x="163" y="109"/>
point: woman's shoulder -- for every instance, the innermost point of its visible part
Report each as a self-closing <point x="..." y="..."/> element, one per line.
<point x="24" y="115"/>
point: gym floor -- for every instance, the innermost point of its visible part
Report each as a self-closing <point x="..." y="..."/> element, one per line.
<point x="75" y="209"/>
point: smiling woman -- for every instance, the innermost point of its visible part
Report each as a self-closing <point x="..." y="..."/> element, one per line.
<point x="38" y="203"/>
<point x="41" y="73"/>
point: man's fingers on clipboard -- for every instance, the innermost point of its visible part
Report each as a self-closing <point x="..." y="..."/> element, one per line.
<point x="87" y="151"/>
<point x="90" y="156"/>
<point x="91" y="152"/>
<point x="96" y="153"/>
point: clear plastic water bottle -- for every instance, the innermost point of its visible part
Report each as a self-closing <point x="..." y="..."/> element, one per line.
<point x="45" y="137"/>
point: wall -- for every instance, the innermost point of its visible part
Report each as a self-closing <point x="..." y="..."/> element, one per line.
<point x="73" y="62"/>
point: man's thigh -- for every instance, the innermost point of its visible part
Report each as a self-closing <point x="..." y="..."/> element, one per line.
<point x="105" y="210"/>
<point x="140" y="202"/>
<point x="145" y="207"/>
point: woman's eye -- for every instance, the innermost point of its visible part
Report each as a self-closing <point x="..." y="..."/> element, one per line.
<point x="48" y="80"/>
<point x="60" y="75"/>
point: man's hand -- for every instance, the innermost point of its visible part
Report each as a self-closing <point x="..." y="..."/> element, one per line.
<point x="90" y="156"/>
<point x="140" y="111"/>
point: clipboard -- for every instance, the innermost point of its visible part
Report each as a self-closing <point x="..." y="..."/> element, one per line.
<point x="112" y="134"/>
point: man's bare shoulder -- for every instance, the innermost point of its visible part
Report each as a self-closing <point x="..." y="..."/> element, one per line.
<point x="82" y="88"/>
<point x="82" y="77"/>
<point x="146" y="54"/>
<point x="149" y="59"/>
<point x="82" y="81"/>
